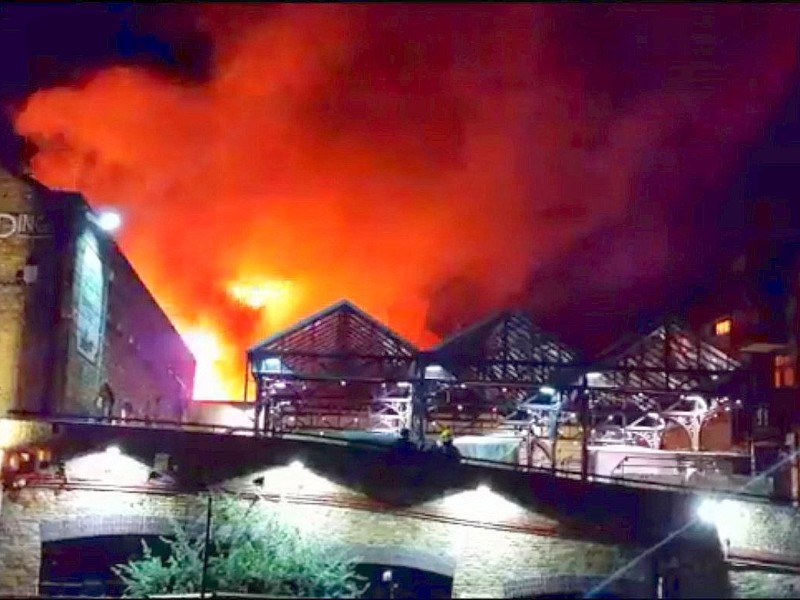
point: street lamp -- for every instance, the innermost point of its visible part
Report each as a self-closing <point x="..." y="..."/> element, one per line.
<point x="108" y="220"/>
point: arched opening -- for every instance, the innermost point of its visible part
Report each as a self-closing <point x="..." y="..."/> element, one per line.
<point x="400" y="572"/>
<point x="386" y="581"/>
<point x="84" y="566"/>
<point x="570" y="595"/>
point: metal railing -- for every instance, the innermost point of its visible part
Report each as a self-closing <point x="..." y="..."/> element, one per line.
<point x="330" y="438"/>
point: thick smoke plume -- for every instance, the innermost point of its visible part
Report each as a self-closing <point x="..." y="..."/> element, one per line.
<point x="419" y="160"/>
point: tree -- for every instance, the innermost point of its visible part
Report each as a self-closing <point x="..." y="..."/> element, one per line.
<point x="255" y="554"/>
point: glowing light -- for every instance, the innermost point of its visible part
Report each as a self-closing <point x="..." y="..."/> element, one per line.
<point x="108" y="220"/>
<point x="297" y="465"/>
<point x="260" y="294"/>
<point x="594" y="378"/>
<point x="707" y="511"/>
<point x="481" y="504"/>
<point x="723" y="327"/>
<point x="547" y="390"/>
<point x="113" y="451"/>
<point x="723" y="515"/>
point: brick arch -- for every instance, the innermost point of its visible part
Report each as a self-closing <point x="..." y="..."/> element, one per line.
<point x="564" y="585"/>
<point x="675" y="437"/>
<point x="716" y="432"/>
<point x="94" y="526"/>
<point x="403" y="556"/>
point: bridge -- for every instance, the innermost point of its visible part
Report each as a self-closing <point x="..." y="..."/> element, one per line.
<point x="547" y="497"/>
<point x="475" y="527"/>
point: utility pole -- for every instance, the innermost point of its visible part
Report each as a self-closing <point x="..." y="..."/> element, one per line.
<point x="419" y="400"/>
<point x="585" y="424"/>
<point x="204" y="575"/>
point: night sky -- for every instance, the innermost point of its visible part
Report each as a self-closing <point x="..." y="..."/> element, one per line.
<point x="597" y="163"/>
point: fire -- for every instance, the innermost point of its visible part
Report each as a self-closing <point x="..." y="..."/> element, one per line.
<point x="260" y="295"/>
<point x="418" y="163"/>
<point x="210" y="380"/>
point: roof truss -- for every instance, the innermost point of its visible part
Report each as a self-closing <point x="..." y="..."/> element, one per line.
<point x="341" y="341"/>
<point x="669" y="358"/>
<point x="506" y="347"/>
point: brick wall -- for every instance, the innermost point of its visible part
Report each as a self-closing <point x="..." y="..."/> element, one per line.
<point x="145" y="356"/>
<point x="27" y="310"/>
<point x="41" y="368"/>
<point x="140" y="354"/>
<point x="519" y="527"/>
<point x="485" y="557"/>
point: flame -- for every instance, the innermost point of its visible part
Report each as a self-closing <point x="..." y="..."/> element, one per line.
<point x="421" y="164"/>
<point x="211" y="382"/>
<point x="261" y="294"/>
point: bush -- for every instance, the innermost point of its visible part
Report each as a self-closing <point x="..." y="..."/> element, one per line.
<point x="254" y="553"/>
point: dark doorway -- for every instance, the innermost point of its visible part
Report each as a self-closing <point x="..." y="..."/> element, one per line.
<point x="386" y="581"/>
<point x="82" y="566"/>
<point x="569" y="595"/>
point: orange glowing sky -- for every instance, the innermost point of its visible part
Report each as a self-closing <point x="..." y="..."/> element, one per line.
<point x="364" y="152"/>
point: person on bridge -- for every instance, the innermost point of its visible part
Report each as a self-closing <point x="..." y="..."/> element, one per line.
<point x="105" y="401"/>
<point x="404" y="445"/>
<point x="446" y="446"/>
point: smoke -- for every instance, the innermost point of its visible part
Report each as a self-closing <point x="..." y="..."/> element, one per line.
<point x="419" y="160"/>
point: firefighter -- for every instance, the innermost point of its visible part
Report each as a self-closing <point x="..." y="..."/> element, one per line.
<point x="446" y="446"/>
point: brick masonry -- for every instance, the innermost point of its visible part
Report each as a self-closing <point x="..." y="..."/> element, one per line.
<point x="484" y="558"/>
<point x="140" y="352"/>
<point x="516" y="531"/>
<point x="26" y="311"/>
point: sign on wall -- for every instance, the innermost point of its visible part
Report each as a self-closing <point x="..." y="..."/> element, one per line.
<point x="90" y="298"/>
<point x="24" y="225"/>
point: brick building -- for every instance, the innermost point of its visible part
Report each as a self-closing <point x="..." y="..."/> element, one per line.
<point x="753" y="315"/>
<point x="74" y="314"/>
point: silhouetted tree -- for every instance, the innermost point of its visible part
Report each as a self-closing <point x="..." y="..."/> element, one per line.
<point x="249" y="553"/>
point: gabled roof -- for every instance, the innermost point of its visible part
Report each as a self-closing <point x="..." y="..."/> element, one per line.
<point x="341" y="340"/>
<point x="661" y="355"/>
<point x="507" y="346"/>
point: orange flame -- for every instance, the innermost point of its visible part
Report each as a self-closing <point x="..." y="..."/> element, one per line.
<point x="356" y="151"/>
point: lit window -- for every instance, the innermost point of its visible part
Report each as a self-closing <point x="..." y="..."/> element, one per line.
<point x="784" y="371"/>
<point x="722" y="327"/>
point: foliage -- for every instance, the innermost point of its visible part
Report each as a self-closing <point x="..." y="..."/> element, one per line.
<point x="255" y="553"/>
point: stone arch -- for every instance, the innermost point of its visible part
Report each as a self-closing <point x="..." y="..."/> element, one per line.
<point x="575" y="586"/>
<point x="401" y="556"/>
<point x="103" y="525"/>
<point x="412" y="573"/>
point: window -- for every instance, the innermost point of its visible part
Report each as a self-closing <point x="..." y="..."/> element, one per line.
<point x="784" y="371"/>
<point x="762" y="417"/>
<point x="722" y="327"/>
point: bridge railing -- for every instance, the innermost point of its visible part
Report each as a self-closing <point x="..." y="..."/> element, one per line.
<point x="330" y="437"/>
